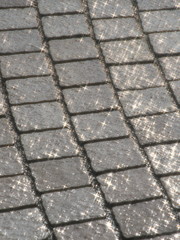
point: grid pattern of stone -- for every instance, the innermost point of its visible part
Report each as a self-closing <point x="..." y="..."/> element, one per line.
<point x="89" y="120"/>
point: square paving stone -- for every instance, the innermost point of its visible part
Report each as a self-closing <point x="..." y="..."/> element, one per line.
<point x="78" y="204"/>
<point x="21" y="65"/>
<point x="165" y="43"/>
<point x="164" y="158"/>
<point x="22" y="224"/>
<point x="172" y="186"/>
<point x="167" y="237"/>
<point x="114" y="154"/>
<point x="20" y="41"/>
<point x="71" y="49"/>
<point x="2" y="107"/>
<point x="83" y="72"/>
<point x="39" y="116"/>
<point x="116" y="28"/>
<point x="17" y="18"/>
<point x="156" y="129"/>
<point x="126" y="51"/>
<point x="148" y="101"/>
<point x="15" y="192"/>
<point x="59" y="174"/>
<point x="110" y="8"/>
<point x="130" y="185"/>
<point x="6" y="136"/>
<point x="158" y="21"/>
<point x="146" y="218"/>
<point x="99" y="125"/>
<point x="176" y="89"/>
<point x="86" y="99"/>
<point x="90" y="230"/>
<point x="49" y="7"/>
<point x="136" y="76"/>
<point x="156" y="4"/>
<point x="171" y="67"/>
<point x="31" y="90"/>
<point x="10" y="161"/>
<point x="48" y="144"/>
<point x="66" y="25"/>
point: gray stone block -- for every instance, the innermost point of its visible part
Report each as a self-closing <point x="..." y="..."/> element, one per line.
<point x="59" y="174"/>
<point x="15" y="3"/>
<point x="157" y="21"/>
<point x="136" y="76"/>
<point x="21" y="65"/>
<point x="17" y="18"/>
<point x="83" y="72"/>
<point x="175" y="236"/>
<point x="157" y="128"/>
<point x="49" y="144"/>
<point x="2" y="107"/>
<point x="114" y="154"/>
<point x="78" y="204"/>
<point x="90" y="230"/>
<point x="22" y="224"/>
<point x="148" y="101"/>
<point x="110" y="8"/>
<point x="90" y="98"/>
<point x="71" y="49"/>
<point x="116" y="28"/>
<point x="20" y="41"/>
<point x="176" y="89"/>
<point x="156" y="4"/>
<point x="99" y="126"/>
<point x="130" y="185"/>
<point x="15" y="192"/>
<point x="171" y="67"/>
<point x="146" y="218"/>
<point x="126" y="51"/>
<point x="39" y="116"/>
<point x="49" y="7"/>
<point x="31" y="90"/>
<point x="6" y="136"/>
<point x="10" y="161"/>
<point x="164" y="158"/>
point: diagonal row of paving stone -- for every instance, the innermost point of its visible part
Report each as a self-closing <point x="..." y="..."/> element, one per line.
<point x="89" y="119"/>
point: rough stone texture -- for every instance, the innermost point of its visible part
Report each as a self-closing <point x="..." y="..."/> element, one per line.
<point x="165" y="43"/>
<point x="126" y="51"/>
<point x="148" y="101"/>
<point x="10" y="161"/>
<point x="167" y="237"/>
<point x="39" y="116"/>
<point x="49" y="7"/>
<point x="172" y="186"/>
<point x="165" y="158"/>
<point x="116" y="28"/>
<point x="17" y="18"/>
<point x="20" y="41"/>
<point x="156" y="4"/>
<point x="59" y="174"/>
<point x="136" y="76"/>
<point x="171" y="67"/>
<point x="134" y="184"/>
<point x="75" y="48"/>
<point x="110" y="8"/>
<point x="90" y="98"/>
<point x="90" y="230"/>
<point x="51" y="144"/>
<point x="158" y="21"/>
<point x="176" y="89"/>
<point x="31" y="90"/>
<point x="140" y="219"/>
<point x="78" y="204"/>
<point x="15" y="192"/>
<point x="6" y="136"/>
<point x="157" y="128"/>
<point x="84" y="72"/>
<point x="20" y="65"/>
<point x="2" y="108"/>
<point x="22" y="224"/>
<point x="99" y="125"/>
<point x="114" y="154"/>
<point x="15" y="3"/>
<point x="67" y="25"/>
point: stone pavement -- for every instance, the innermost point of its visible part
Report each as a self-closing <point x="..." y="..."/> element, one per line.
<point x="89" y="121"/>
